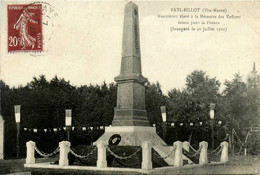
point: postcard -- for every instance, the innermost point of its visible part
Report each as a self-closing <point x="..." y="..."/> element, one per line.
<point x="121" y="48"/>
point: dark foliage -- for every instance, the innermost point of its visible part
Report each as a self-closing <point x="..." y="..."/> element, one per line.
<point x="43" y="105"/>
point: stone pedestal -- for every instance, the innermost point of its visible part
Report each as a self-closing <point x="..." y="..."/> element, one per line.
<point x="203" y="153"/>
<point x="1" y="137"/>
<point x="147" y="156"/>
<point x="178" y="161"/>
<point x="64" y="151"/>
<point x="102" y="155"/>
<point x="30" y="159"/>
<point x="224" y="152"/>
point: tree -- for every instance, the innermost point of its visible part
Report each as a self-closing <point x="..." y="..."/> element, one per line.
<point x="7" y="100"/>
<point x="203" y="91"/>
<point x="191" y="105"/>
<point x="234" y="96"/>
<point x="154" y="99"/>
<point x="235" y="99"/>
<point x="179" y="105"/>
<point x="253" y="102"/>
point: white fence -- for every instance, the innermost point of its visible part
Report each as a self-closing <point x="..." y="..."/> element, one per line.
<point x="64" y="149"/>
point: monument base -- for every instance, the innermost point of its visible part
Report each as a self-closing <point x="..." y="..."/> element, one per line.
<point x="132" y="135"/>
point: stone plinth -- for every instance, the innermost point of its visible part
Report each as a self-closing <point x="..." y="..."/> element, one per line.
<point x="132" y="135"/>
<point x="224" y="152"/>
<point x="147" y="156"/>
<point x="64" y="151"/>
<point x="101" y="161"/>
<point x="178" y="161"/>
<point x="203" y="153"/>
<point x="30" y="158"/>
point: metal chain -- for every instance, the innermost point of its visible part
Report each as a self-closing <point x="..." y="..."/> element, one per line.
<point x="172" y="151"/>
<point x="197" y="152"/>
<point x="215" y="150"/>
<point x="80" y="156"/>
<point x="221" y="147"/>
<point x="192" y="148"/>
<point x="46" y="154"/>
<point x="121" y="157"/>
<point x="237" y="136"/>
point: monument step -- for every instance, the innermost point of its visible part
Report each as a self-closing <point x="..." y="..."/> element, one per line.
<point x="166" y="151"/>
<point x="132" y="135"/>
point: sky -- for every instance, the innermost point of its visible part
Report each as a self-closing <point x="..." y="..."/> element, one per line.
<point x="84" y="43"/>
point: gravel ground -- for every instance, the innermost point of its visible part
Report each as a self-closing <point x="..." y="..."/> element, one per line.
<point x="236" y="165"/>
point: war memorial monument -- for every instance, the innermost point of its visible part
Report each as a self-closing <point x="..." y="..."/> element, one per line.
<point x="130" y="118"/>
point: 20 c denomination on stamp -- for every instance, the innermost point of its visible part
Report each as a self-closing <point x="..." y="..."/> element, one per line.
<point x="25" y="28"/>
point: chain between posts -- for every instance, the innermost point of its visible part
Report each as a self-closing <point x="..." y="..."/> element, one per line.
<point x="237" y="136"/>
<point x="172" y="152"/>
<point x="192" y="148"/>
<point x="241" y="143"/>
<point x="197" y="152"/>
<point x="46" y="154"/>
<point x="81" y="156"/>
<point x="217" y="149"/>
<point x="121" y="157"/>
<point x="221" y="147"/>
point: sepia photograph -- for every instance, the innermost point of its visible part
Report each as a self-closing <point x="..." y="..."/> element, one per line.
<point x="129" y="87"/>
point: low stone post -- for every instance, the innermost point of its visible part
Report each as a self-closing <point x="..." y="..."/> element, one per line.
<point x="178" y="162"/>
<point x="1" y="137"/>
<point x="147" y="155"/>
<point x="64" y="151"/>
<point x="224" y="152"/>
<point x="186" y="146"/>
<point x="245" y="151"/>
<point x="102" y="155"/>
<point x="203" y="153"/>
<point x="30" y="159"/>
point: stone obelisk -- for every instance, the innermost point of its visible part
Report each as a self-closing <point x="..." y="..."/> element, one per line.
<point x="130" y="119"/>
<point x="130" y="110"/>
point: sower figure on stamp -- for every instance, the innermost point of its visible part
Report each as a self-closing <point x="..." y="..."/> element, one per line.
<point x="22" y="26"/>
